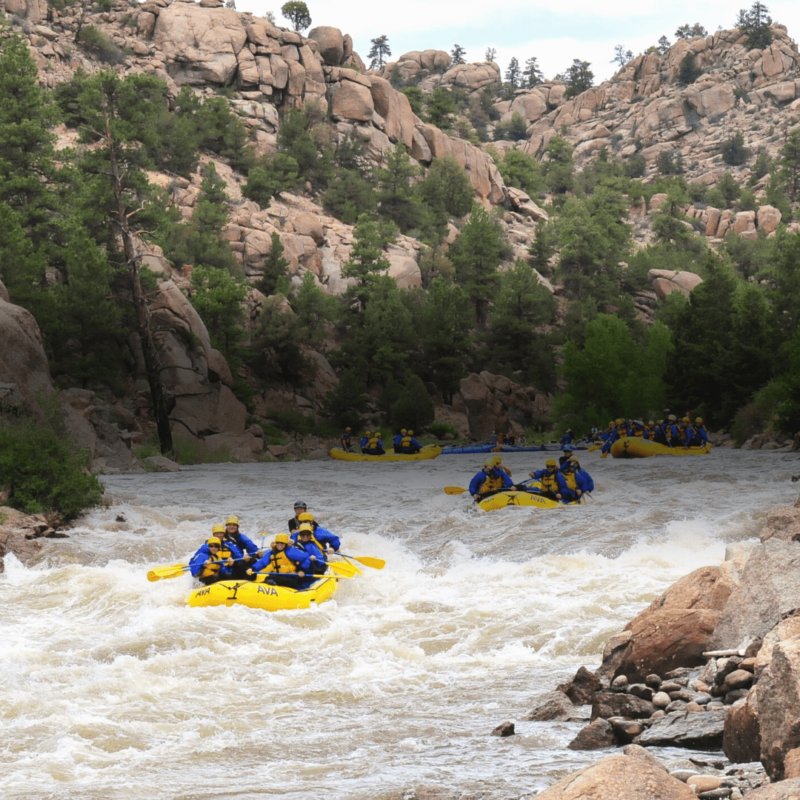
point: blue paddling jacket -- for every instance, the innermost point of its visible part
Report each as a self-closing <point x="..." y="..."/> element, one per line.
<point x="499" y="480"/>
<point x="203" y="554"/>
<point x="300" y="559"/>
<point x="322" y="538"/>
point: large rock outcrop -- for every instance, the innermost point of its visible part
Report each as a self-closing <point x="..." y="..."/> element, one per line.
<point x="495" y="403"/>
<point x="24" y="372"/>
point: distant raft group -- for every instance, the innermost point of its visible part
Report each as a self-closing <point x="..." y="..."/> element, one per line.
<point x="668" y="433"/>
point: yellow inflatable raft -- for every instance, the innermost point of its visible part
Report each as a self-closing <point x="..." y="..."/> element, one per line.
<point x="634" y="447"/>
<point x="262" y="595"/>
<point x="429" y="451"/>
<point x="520" y="498"/>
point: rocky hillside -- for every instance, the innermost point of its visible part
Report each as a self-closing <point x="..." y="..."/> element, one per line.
<point x="643" y="110"/>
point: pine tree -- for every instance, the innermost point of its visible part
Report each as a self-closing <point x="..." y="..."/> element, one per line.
<point x="512" y="75"/>
<point x="476" y="255"/>
<point x="532" y="75"/>
<point x="396" y="198"/>
<point x="379" y="52"/>
<point x="491" y="54"/>
<point x="621" y="55"/>
<point x="296" y="12"/>
<point x="458" y="53"/>
<point x="578" y="78"/>
<point x="273" y="268"/>
<point x="756" y="24"/>
<point x="663" y="45"/>
<point x="691" y="31"/>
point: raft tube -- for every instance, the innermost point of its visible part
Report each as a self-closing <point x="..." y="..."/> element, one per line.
<point x="262" y="595"/>
<point x="466" y="449"/>
<point x="427" y="452"/>
<point x="634" y="447"/>
<point x="521" y="498"/>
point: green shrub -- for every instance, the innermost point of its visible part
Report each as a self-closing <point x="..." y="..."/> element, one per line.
<point x="191" y="451"/>
<point x="441" y="429"/>
<point x="45" y="472"/>
<point x="101" y="44"/>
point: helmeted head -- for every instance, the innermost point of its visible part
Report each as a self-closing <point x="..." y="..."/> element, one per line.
<point x="651" y="423"/>
<point x="403" y="431"/>
<point x="672" y="418"/>
<point x="489" y="463"/>
<point x="232" y="521"/>
<point x="410" y="432"/>
<point x="306" y="529"/>
<point x="300" y="505"/>
<point x="368" y="434"/>
<point x="213" y="543"/>
<point x="620" y="421"/>
<point x="550" y="463"/>
<point x="574" y="463"/>
<point x="305" y="517"/>
<point x="685" y="421"/>
<point x="282" y="538"/>
<point x="699" y="420"/>
<point x="218" y="529"/>
<point x="347" y="430"/>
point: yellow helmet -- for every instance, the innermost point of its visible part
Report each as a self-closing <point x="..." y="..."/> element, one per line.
<point x="368" y="434"/>
<point x="575" y="461"/>
<point x="490" y="462"/>
<point x="282" y="537"/>
<point x="403" y="431"/>
<point x="651" y="422"/>
<point x="672" y="418"/>
<point x="497" y="459"/>
<point x="214" y="540"/>
<point x="699" y="420"/>
<point x="410" y="432"/>
<point x="306" y="517"/>
<point x="686" y="419"/>
<point x="218" y="529"/>
<point x="551" y="462"/>
<point x="232" y="521"/>
<point x="377" y="434"/>
<point x="620" y="421"/>
<point x="306" y="527"/>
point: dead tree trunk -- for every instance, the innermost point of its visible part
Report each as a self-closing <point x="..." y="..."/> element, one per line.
<point x="163" y="402"/>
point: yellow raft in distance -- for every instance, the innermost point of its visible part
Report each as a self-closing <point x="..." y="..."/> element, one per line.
<point x="262" y="595"/>
<point x="634" y="447"/>
<point x="427" y="452"/>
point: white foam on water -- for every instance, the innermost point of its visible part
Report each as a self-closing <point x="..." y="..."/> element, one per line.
<point x="115" y="688"/>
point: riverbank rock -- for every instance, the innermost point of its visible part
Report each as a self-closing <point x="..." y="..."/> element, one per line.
<point x="767" y="590"/>
<point x="779" y="707"/>
<point x="22" y="534"/>
<point x="636" y="775"/>
<point x="699" y="730"/>
<point x="784" y="790"/>
<point x="673" y="631"/>
<point x="741" y="740"/>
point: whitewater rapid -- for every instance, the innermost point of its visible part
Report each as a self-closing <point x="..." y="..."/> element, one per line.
<point x="114" y="688"/>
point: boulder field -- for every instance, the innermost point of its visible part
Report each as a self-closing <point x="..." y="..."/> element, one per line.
<point x="713" y="664"/>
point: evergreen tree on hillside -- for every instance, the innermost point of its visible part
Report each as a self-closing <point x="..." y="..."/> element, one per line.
<point x="274" y="267"/>
<point x="296" y="12"/>
<point x="379" y="51"/>
<point x="457" y="54"/>
<point x="512" y="75"/>
<point x="756" y="23"/>
<point x="490" y="55"/>
<point x="621" y="55"/>
<point x="691" y="31"/>
<point x="532" y="75"/>
<point x="663" y="45"/>
<point x="476" y="255"/>
<point x="578" y="77"/>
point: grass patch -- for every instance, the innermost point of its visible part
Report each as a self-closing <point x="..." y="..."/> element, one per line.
<point x="188" y="452"/>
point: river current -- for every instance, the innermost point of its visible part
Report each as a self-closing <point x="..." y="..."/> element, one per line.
<point x="114" y="688"/>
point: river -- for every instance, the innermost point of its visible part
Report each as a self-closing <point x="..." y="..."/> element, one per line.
<point x="114" y="688"/>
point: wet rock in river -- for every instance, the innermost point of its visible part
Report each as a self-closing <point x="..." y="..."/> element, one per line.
<point x="553" y="706"/>
<point x="686" y="729"/>
<point x="595" y="736"/>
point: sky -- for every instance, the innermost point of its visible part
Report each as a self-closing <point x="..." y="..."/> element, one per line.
<point x="554" y="31"/>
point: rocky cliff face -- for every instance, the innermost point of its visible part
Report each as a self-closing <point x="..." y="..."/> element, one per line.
<point x="643" y="109"/>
